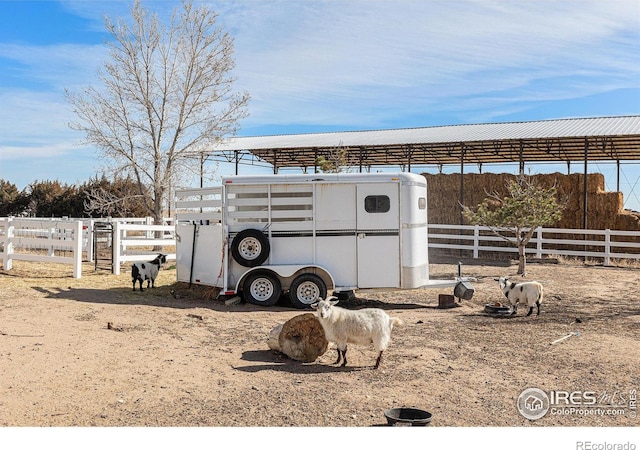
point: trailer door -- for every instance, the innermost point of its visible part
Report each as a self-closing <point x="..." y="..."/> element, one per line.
<point x="378" y="237"/>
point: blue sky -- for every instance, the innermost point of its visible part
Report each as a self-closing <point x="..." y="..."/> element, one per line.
<point x="340" y="65"/>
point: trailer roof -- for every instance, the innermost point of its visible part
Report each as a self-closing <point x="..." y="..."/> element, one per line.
<point x="595" y="138"/>
<point x="398" y="177"/>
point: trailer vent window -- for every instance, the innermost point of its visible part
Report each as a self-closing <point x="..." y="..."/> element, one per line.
<point x="377" y="204"/>
<point x="422" y="203"/>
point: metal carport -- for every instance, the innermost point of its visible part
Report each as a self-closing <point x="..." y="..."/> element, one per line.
<point x="559" y="140"/>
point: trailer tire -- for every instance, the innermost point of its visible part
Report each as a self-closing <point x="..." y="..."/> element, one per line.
<point x="307" y="289"/>
<point x="261" y="288"/>
<point x="250" y="247"/>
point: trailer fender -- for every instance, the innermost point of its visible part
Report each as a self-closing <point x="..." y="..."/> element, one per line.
<point x="287" y="273"/>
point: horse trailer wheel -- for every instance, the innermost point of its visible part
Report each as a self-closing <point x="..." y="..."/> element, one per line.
<point x="307" y="289"/>
<point x="261" y="288"/>
<point x="250" y="248"/>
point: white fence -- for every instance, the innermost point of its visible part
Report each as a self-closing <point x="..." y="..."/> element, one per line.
<point x="129" y="237"/>
<point x="604" y="244"/>
<point x="66" y="241"/>
<point x="56" y="238"/>
<point x="69" y="241"/>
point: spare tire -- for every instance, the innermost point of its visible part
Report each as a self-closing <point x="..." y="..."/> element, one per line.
<point x="250" y="247"/>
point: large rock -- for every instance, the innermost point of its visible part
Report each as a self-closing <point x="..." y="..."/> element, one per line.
<point x="301" y="338"/>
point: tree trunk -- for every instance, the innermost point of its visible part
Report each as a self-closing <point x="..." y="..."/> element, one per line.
<point x="522" y="259"/>
<point x="301" y="338"/>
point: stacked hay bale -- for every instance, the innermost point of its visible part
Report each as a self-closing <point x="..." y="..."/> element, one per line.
<point x="604" y="209"/>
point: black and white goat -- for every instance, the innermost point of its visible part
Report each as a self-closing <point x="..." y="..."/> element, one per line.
<point x="529" y="292"/>
<point x="141" y="271"/>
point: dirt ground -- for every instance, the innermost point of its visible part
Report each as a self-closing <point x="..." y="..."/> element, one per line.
<point x="173" y="357"/>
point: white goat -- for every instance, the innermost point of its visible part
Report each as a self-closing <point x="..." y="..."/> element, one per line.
<point x="362" y="327"/>
<point x="529" y="292"/>
<point x="141" y="271"/>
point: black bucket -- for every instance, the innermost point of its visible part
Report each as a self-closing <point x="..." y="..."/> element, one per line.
<point x="412" y="417"/>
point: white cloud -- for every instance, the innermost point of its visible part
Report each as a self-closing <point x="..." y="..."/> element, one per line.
<point x="53" y="67"/>
<point x="313" y="61"/>
<point x="355" y="63"/>
<point x="34" y="118"/>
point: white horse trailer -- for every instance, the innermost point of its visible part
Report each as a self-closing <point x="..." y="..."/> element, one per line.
<point x="263" y="236"/>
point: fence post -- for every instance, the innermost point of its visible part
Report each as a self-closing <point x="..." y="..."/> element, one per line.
<point x="476" y="241"/>
<point x="89" y="239"/>
<point x="607" y="247"/>
<point x="539" y="242"/>
<point x="149" y="233"/>
<point x="77" y="249"/>
<point x="117" y="246"/>
<point x="52" y="235"/>
<point x="7" y="262"/>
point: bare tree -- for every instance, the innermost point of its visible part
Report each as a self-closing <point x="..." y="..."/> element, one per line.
<point x="167" y="93"/>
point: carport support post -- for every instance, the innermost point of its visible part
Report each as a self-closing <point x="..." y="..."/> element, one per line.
<point x="584" y="194"/>
<point x="461" y="194"/>
<point x="584" y="187"/>
<point x="520" y="158"/>
<point x="275" y="163"/>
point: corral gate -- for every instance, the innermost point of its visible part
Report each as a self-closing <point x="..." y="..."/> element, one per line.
<point x="103" y="245"/>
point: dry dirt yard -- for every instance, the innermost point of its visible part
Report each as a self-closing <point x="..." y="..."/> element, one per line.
<point x="193" y="361"/>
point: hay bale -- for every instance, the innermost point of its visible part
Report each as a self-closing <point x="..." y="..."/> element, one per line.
<point x="604" y="209"/>
<point x="301" y="338"/>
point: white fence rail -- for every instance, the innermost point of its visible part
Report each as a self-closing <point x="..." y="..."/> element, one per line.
<point x="128" y="236"/>
<point x="49" y="240"/>
<point x="65" y="241"/>
<point x="19" y="237"/>
<point x="605" y="244"/>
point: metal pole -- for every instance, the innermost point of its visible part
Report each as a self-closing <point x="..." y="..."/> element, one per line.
<point x="584" y="182"/>
<point x="275" y="163"/>
<point x="461" y="194"/>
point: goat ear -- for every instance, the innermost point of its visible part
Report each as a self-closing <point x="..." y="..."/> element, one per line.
<point x="314" y="305"/>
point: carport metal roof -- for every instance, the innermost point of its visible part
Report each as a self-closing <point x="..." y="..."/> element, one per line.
<point x="560" y="140"/>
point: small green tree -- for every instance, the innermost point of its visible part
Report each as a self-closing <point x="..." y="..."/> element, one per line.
<point x="336" y="160"/>
<point x="515" y="216"/>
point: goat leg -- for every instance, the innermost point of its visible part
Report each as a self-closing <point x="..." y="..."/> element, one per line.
<point x="339" y="356"/>
<point x="378" y="361"/>
<point x="344" y="357"/>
